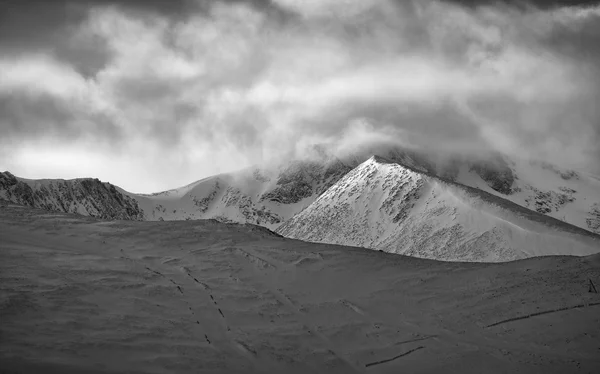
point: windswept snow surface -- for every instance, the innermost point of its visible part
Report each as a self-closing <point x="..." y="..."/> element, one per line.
<point x="383" y="205"/>
<point x="80" y="295"/>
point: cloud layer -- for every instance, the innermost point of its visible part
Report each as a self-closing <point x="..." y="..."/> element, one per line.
<point x="151" y="96"/>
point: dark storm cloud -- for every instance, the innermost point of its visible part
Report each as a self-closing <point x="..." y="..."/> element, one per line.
<point x="33" y="118"/>
<point x="48" y="26"/>
<point x="26" y="24"/>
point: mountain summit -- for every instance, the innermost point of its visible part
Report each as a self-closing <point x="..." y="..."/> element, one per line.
<point x="383" y="205"/>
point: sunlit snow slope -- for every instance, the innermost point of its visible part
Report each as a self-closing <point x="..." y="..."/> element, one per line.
<point x="383" y="205"/>
<point x="568" y="195"/>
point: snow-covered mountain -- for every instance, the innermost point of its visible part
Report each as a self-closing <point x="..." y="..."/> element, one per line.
<point x="85" y="196"/>
<point x="383" y="205"/>
<point x="259" y="196"/>
<point x="269" y="196"/>
<point x="567" y="195"/>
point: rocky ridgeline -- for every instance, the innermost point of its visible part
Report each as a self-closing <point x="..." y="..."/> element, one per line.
<point x="88" y="196"/>
<point x="593" y="220"/>
<point x="252" y="213"/>
<point x="494" y="170"/>
<point x="302" y="179"/>
<point x="549" y="201"/>
<point x="497" y="174"/>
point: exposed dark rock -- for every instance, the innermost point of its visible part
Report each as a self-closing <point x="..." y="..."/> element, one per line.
<point x="84" y="196"/>
<point x="496" y="173"/>
<point x="294" y="183"/>
<point x="593" y="220"/>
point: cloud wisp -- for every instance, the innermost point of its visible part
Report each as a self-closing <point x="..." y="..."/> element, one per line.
<point x="205" y="87"/>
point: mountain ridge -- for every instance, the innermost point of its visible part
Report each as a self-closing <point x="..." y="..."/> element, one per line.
<point x="86" y="196"/>
<point x="384" y="205"/>
<point x="269" y="196"/>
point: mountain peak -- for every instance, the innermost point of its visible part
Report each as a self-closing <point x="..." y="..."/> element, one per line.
<point x="387" y="206"/>
<point x="380" y="160"/>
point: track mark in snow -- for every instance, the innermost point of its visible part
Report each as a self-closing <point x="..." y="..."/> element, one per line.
<point x="205" y="288"/>
<point x="308" y="259"/>
<point x="291" y="302"/>
<point x="415" y="340"/>
<point x="151" y="270"/>
<point x="393" y="358"/>
<point x="285" y="300"/>
<point x="245" y="348"/>
<point x="204" y="285"/>
<point x="541" y="313"/>
<point x="169" y="260"/>
<point x="223" y="339"/>
<point x="404" y="324"/>
<point x="257" y="260"/>
<point x="353" y="307"/>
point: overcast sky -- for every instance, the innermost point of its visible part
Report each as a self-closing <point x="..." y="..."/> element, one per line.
<point x="152" y="95"/>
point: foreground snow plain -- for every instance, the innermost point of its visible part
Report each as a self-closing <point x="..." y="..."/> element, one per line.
<point x="80" y="295"/>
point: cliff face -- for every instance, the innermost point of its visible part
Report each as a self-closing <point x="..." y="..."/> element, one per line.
<point x="89" y="197"/>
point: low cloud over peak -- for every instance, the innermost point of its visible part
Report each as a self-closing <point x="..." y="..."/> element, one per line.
<point x="182" y="90"/>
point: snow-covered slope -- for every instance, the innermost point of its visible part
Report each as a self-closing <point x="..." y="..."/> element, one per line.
<point x="383" y="205"/>
<point x="263" y="197"/>
<point x="83" y="296"/>
<point x="87" y="196"/>
<point x="567" y="195"/>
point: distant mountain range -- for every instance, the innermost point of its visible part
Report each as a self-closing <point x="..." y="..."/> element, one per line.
<point x="403" y="201"/>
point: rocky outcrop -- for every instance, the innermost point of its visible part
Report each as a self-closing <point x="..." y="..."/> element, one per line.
<point x="496" y="173"/>
<point x="302" y="179"/>
<point x="593" y="220"/>
<point x="88" y="196"/>
<point x="549" y="201"/>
